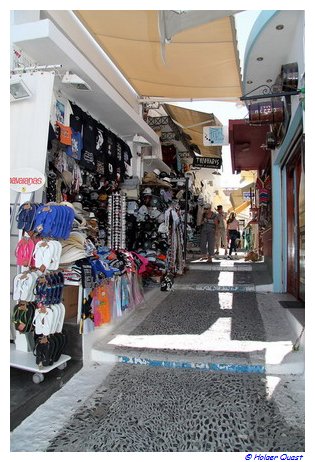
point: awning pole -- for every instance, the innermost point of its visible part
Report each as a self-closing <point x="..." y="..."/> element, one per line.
<point x="152" y="99"/>
<point x="185" y="218"/>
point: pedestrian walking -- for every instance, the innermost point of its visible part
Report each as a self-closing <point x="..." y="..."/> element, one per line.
<point x="233" y="232"/>
<point x="221" y="237"/>
<point x="209" y="225"/>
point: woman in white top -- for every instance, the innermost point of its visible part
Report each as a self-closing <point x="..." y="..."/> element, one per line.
<point x="232" y="225"/>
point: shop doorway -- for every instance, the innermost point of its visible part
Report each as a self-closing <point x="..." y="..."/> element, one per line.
<point x="295" y="224"/>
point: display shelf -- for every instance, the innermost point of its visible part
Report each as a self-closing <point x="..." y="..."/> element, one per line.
<point x="27" y="362"/>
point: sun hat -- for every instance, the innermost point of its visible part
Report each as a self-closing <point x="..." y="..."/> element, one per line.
<point x="132" y="207"/>
<point x="162" y="229"/>
<point x="94" y="195"/>
<point x="78" y="198"/>
<point x="149" y="177"/>
<point x="72" y="254"/>
<point x="161" y="218"/>
<point x="154" y="213"/>
<point x="77" y="206"/>
<point x="102" y="197"/>
<point x="163" y="174"/>
<point x="68" y="204"/>
<point x="67" y="177"/>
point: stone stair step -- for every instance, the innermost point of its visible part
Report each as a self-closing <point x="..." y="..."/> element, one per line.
<point x="259" y="361"/>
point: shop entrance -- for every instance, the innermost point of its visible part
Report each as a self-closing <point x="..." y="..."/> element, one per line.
<point x="295" y="224"/>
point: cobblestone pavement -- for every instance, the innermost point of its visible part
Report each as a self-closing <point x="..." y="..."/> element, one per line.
<point x="140" y="408"/>
<point x="214" y="276"/>
<point x="193" y="312"/>
<point x="143" y="409"/>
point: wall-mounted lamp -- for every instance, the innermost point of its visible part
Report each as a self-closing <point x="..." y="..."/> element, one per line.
<point x="75" y="81"/>
<point x="140" y="140"/>
<point x="19" y="90"/>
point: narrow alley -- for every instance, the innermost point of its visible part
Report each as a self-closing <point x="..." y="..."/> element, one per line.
<point x="157" y="231"/>
<point x="208" y="366"/>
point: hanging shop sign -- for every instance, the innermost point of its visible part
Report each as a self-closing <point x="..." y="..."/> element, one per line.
<point x="215" y="136"/>
<point x="25" y="180"/>
<point x="207" y="162"/>
<point x="266" y="112"/>
<point x="248" y="195"/>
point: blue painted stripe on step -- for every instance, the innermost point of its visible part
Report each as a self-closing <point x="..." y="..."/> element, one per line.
<point x="239" y="368"/>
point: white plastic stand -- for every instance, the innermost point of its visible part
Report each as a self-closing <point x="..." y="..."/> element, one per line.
<point x="21" y="353"/>
<point x="22" y="357"/>
<point x="22" y="343"/>
<point x="27" y="362"/>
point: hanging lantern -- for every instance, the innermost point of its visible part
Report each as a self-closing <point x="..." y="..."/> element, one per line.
<point x="266" y="112"/>
<point x="290" y="76"/>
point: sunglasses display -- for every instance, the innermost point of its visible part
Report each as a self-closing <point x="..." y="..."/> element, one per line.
<point x="117" y="208"/>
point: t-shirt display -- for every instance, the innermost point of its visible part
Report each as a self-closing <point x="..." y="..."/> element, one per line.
<point x="76" y="118"/>
<point x="120" y="158"/>
<point x="60" y="110"/>
<point x="100" y="148"/>
<point x="75" y="149"/>
<point x="89" y="143"/>
<point x="110" y="156"/>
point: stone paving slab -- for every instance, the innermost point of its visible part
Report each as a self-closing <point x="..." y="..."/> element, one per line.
<point x="219" y="266"/>
<point x="186" y="312"/>
<point x="199" y="325"/>
<point x="214" y="287"/>
<point x="138" y="341"/>
<point x="197" y="276"/>
<point x="192" y="327"/>
<point x="143" y="409"/>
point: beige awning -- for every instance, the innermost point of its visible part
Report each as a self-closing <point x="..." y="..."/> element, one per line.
<point x="195" y="120"/>
<point x="237" y="198"/>
<point x="200" y="62"/>
<point x="240" y="207"/>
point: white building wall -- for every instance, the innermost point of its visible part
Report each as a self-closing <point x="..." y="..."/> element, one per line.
<point x="29" y="123"/>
